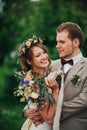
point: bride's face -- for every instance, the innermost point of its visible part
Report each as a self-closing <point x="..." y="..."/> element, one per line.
<point x="40" y="58"/>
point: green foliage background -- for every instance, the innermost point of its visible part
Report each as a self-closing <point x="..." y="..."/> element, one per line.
<point x="19" y="20"/>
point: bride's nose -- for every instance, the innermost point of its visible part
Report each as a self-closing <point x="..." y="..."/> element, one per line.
<point x="44" y="56"/>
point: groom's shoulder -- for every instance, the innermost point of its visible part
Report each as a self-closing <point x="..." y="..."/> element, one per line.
<point x="84" y="59"/>
<point x="55" y="64"/>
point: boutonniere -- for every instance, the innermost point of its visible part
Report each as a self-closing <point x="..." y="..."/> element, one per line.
<point x="75" y="80"/>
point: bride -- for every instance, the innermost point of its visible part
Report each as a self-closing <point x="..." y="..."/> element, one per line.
<point x="35" y="62"/>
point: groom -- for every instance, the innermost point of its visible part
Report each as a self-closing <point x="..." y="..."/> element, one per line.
<point x="74" y="109"/>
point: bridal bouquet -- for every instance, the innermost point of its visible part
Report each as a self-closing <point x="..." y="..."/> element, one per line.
<point x="32" y="90"/>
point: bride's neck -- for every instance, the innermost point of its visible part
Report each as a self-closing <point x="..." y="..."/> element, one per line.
<point x="40" y="73"/>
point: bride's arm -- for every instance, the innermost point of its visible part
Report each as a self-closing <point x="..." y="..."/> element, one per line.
<point x="48" y="111"/>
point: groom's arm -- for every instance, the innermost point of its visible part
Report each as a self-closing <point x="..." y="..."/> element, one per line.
<point x="34" y="115"/>
<point x="76" y="105"/>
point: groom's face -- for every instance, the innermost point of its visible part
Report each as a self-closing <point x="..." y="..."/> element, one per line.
<point x="65" y="45"/>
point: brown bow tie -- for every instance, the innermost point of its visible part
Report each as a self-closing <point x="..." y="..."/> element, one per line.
<point x="66" y="61"/>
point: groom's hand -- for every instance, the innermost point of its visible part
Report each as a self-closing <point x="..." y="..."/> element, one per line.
<point x="34" y="115"/>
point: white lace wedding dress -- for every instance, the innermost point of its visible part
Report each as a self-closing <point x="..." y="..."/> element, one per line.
<point x="28" y="125"/>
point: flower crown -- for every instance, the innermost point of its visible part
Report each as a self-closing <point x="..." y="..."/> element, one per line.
<point x="28" y="43"/>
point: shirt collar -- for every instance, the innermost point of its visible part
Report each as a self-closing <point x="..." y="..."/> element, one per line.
<point x="77" y="58"/>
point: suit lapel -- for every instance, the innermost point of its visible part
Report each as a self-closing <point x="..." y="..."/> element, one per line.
<point x="74" y="70"/>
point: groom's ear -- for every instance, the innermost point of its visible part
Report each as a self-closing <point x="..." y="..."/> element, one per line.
<point x="76" y="42"/>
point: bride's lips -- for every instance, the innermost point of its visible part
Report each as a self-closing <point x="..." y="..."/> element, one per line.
<point x="45" y="61"/>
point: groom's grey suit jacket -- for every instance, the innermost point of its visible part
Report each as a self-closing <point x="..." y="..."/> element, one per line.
<point x="74" y="109"/>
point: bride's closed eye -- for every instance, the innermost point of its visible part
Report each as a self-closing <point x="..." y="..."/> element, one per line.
<point x="39" y="54"/>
